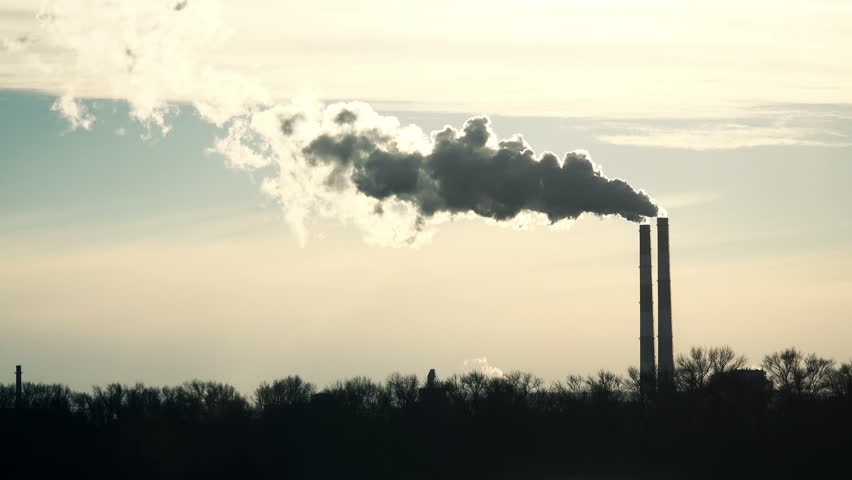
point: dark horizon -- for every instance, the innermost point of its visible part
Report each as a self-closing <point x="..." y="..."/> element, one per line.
<point x="721" y="420"/>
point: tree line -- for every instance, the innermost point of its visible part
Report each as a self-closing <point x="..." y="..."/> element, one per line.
<point x="791" y="374"/>
<point x="794" y="411"/>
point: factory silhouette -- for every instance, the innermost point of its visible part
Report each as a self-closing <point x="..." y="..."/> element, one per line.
<point x="701" y="414"/>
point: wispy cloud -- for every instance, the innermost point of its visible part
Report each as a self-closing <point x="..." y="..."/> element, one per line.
<point x="810" y="125"/>
<point x="726" y="137"/>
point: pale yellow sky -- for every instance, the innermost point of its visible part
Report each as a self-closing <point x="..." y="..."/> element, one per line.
<point x="214" y="301"/>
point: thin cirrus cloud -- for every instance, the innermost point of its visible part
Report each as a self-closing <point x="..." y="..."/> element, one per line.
<point x="726" y="136"/>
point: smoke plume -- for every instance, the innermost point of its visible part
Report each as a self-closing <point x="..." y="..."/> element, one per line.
<point x="341" y="161"/>
<point x="346" y="161"/>
<point x="470" y="170"/>
<point x="481" y="365"/>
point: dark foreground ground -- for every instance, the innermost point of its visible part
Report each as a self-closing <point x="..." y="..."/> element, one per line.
<point x="675" y="439"/>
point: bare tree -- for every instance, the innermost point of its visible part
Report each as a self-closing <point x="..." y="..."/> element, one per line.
<point x="523" y="383"/>
<point x="723" y="360"/>
<point x="7" y="396"/>
<point x="566" y="394"/>
<point x="284" y="392"/>
<point x="605" y="387"/>
<point x="401" y="390"/>
<point x="205" y="399"/>
<point x="475" y="386"/>
<point x="840" y="381"/>
<point x="81" y="404"/>
<point x="357" y="394"/>
<point x="633" y="383"/>
<point x="693" y="371"/>
<point x="794" y="373"/>
<point x="46" y="396"/>
<point x="574" y="388"/>
<point x="454" y="390"/>
<point x="107" y="402"/>
<point x="141" y="400"/>
<point x="469" y="390"/>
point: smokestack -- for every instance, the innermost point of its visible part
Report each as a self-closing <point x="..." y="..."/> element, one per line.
<point x="647" y="374"/>
<point x="18" y="396"/>
<point x="664" y="327"/>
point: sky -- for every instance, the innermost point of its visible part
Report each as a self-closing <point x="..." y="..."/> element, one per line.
<point x="156" y="226"/>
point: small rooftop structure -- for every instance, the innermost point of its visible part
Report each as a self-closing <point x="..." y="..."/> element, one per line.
<point x="433" y="395"/>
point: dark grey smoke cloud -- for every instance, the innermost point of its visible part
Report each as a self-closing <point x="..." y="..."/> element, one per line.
<point x="463" y="173"/>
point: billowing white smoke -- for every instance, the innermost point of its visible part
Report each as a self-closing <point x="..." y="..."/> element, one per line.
<point x="342" y="161"/>
<point x="276" y="136"/>
<point x="148" y="52"/>
<point x="481" y="365"/>
<point x="347" y="162"/>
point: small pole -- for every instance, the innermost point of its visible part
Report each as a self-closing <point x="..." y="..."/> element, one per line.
<point x="18" y="397"/>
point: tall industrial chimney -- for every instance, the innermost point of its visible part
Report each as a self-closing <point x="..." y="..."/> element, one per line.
<point x="18" y="396"/>
<point x="664" y="292"/>
<point x="647" y="367"/>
